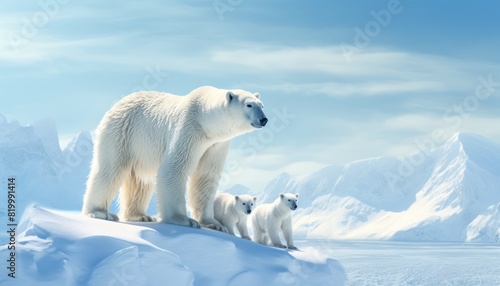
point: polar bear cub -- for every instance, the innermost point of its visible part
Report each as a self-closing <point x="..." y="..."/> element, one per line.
<point x="232" y="211"/>
<point x="269" y="219"/>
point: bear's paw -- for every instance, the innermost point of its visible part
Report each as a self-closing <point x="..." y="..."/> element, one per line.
<point x="103" y="215"/>
<point x="213" y="224"/>
<point x="182" y="220"/>
<point x="145" y="218"/>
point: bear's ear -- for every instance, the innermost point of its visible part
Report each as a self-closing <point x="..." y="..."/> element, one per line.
<point x="236" y="197"/>
<point x="257" y="95"/>
<point x="254" y="199"/>
<point x="282" y="196"/>
<point x="297" y="196"/>
<point x="229" y="96"/>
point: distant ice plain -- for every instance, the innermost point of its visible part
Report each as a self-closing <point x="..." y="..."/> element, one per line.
<point x="413" y="263"/>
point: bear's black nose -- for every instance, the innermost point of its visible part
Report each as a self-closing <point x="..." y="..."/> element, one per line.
<point x="249" y="211"/>
<point x="263" y="121"/>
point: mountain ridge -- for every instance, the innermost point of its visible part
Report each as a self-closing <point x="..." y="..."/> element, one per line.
<point x="451" y="186"/>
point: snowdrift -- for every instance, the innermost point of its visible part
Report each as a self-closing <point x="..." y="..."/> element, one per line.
<point x="58" y="248"/>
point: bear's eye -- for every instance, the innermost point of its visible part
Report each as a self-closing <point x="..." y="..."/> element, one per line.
<point x="289" y="200"/>
<point x="243" y="203"/>
<point x="251" y="204"/>
<point x="249" y="105"/>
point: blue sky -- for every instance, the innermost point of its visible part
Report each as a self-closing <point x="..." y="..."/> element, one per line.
<point x="414" y="69"/>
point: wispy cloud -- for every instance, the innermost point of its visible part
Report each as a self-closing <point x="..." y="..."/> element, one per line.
<point x="56" y="33"/>
<point x="373" y="73"/>
<point x="330" y="60"/>
<point x="362" y="88"/>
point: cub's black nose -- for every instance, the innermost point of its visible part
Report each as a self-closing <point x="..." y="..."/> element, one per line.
<point x="249" y="211"/>
<point x="263" y="121"/>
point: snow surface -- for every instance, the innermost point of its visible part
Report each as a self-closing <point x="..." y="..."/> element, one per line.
<point x="369" y="263"/>
<point x="61" y="248"/>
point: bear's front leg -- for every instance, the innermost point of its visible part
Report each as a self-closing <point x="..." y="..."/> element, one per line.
<point x="273" y="234"/>
<point x="172" y="205"/>
<point x="171" y="184"/>
<point x="288" y="233"/>
<point x="242" y="228"/>
<point x="203" y="185"/>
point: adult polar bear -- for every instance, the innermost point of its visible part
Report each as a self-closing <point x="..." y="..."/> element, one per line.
<point x="150" y="137"/>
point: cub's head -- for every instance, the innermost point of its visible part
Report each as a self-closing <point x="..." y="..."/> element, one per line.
<point x="246" y="109"/>
<point x="289" y="200"/>
<point x="245" y="203"/>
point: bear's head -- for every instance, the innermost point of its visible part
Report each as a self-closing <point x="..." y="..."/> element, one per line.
<point x="246" y="109"/>
<point x="245" y="203"/>
<point x="289" y="200"/>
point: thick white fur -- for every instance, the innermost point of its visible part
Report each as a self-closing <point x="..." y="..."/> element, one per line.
<point x="232" y="211"/>
<point x="269" y="219"/>
<point x="152" y="138"/>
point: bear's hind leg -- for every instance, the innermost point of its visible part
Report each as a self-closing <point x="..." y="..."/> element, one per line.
<point x="108" y="171"/>
<point x="265" y="239"/>
<point x="102" y="186"/>
<point x="134" y="199"/>
<point x="258" y="233"/>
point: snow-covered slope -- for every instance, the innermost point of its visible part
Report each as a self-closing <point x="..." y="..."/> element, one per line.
<point x="57" y="248"/>
<point x="485" y="227"/>
<point x="450" y="193"/>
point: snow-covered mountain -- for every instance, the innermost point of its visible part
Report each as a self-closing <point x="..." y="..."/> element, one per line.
<point x="451" y="193"/>
<point x="44" y="173"/>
